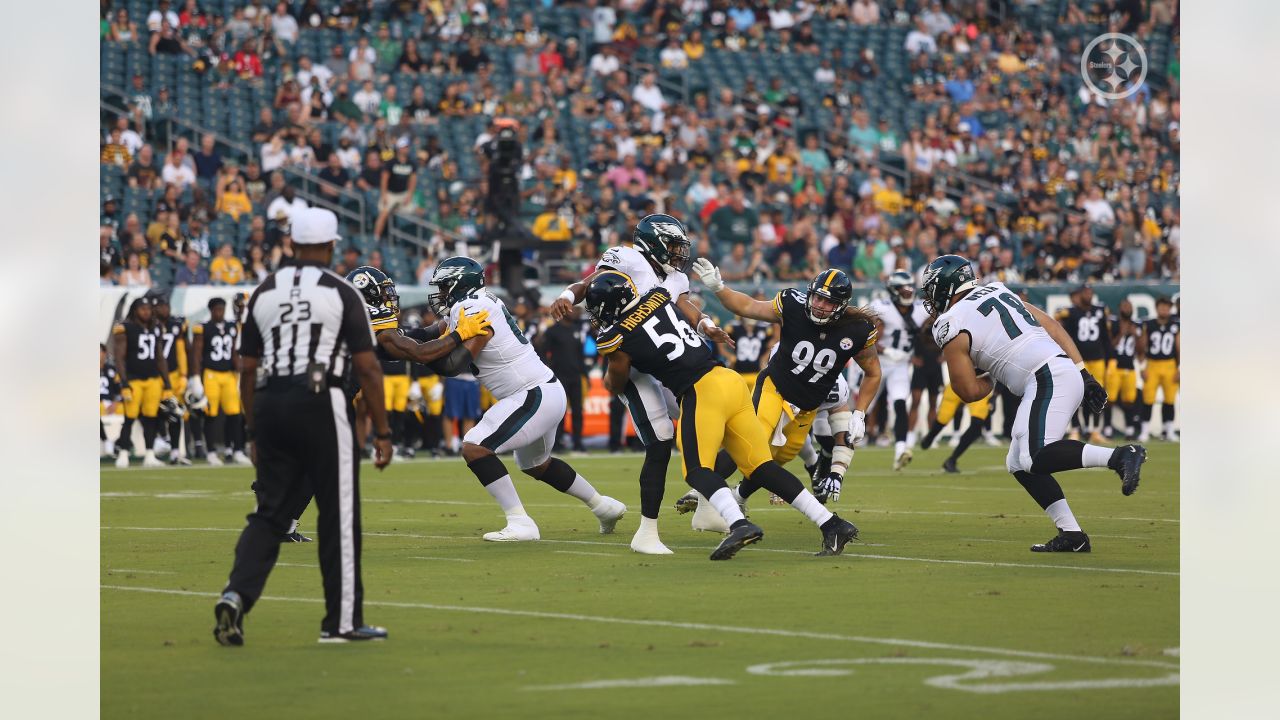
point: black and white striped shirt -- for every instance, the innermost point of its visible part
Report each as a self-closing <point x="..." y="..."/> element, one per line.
<point x="301" y="314"/>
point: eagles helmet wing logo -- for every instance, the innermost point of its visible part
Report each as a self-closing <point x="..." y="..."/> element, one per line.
<point x="670" y="229"/>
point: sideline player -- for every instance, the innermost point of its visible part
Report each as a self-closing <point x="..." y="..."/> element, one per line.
<point x="1161" y="346"/>
<point x="900" y="319"/>
<point x="979" y="419"/>
<point x="658" y="257"/>
<point x="144" y="378"/>
<point x="214" y="361"/>
<point x="530" y="404"/>
<point x="752" y="342"/>
<point x="715" y="406"/>
<point x="1122" y="375"/>
<point x="1019" y="345"/>
<point x="1086" y="323"/>
<point x="819" y="335"/>
<point x="173" y="336"/>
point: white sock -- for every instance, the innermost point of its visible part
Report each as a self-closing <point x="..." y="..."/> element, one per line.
<point x="737" y="496"/>
<point x="293" y="527"/>
<point x="808" y="455"/>
<point x="648" y="526"/>
<point x="1061" y="515"/>
<point x="1095" y="456"/>
<point x="504" y="491"/>
<point x="911" y="437"/>
<point x="582" y="490"/>
<point x="806" y="503"/>
<point x="899" y="447"/>
<point x="1168" y="428"/>
<point x="724" y="504"/>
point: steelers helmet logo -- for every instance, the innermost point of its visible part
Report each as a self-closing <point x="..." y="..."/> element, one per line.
<point x="361" y="281"/>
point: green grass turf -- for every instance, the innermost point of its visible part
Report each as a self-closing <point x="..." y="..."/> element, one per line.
<point x="940" y="612"/>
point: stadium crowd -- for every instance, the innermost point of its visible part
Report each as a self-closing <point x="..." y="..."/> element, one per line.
<point x="790" y="136"/>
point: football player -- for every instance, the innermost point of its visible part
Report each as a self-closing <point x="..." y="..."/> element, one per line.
<point x="926" y="379"/>
<point x="1017" y="344"/>
<point x="214" y="362"/>
<point x="715" y="407"/>
<point x="979" y="415"/>
<point x="1086" y="323"/>
<point x="820" y="334"/>
<point x="751" y="344"/>
<point x="383" y="304"/>
<point x="658" y="256"/>
<point x="173" y="336"/>
<point x="899" y="321"/>
<point x="144" y="378"/>
<point x="1122" y="377"/>
<point x="1161" y="347"/>
<point x="530" y="404"/>
<point x="108" y="394"/>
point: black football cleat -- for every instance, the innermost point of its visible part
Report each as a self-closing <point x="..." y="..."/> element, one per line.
<point x="364" y="632"/>
<point x="836" y="533"/>
<point x="741" y="535"/>
<point x="1127" y="462"/>
<point x="229" y="612"/>
<point x="295" y="537"/>
<point x="949" y="465"/>
<point x="687" y="503"/>
<point x="1072" y="541"/>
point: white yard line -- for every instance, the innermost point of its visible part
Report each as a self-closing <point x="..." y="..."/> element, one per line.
<point x="583" y="552"/>
<point x="432" y="557"/>
<point x="706" y="627"/>
<point x="302" y="565"/>
<point x="852" y="551"/>
<point x="140" y="572"/>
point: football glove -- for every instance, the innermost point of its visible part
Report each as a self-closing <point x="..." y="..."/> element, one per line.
<point x="857" y="427"/>
<point x="709" y="274"/>
<point x="472" y="325"/>
<point x="828" y="488"/>
<point x="1095" y="397"/>
<point x="195" y="387"/>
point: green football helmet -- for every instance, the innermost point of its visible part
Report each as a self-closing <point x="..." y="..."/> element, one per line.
<point x="943" y="278"/>
<point x="663" y="240"/>
<point x="455" y="279"/>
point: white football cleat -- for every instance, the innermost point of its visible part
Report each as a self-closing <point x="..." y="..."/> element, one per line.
<point x="902" y="459"/>
<point x="1145" y="434"/>
<point x="609" y="512"/>
<point x="215" y="459"/>
<point x="518" y="529"/>
<point x="122" y="459"/>
<point x="706" y="519"/>
<point x="108" y="449"/>
<point x="161" y="446"/>
<point x="647" y="543"/>
<point x="239" y="458"/>
<point x="150" y="460"/>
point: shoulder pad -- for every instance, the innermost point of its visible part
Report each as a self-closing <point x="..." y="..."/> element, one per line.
<point x="608" y="340"/>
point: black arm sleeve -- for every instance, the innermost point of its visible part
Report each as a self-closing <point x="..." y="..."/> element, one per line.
<point x="458" y="360"/>
<point x="423" y="334"/>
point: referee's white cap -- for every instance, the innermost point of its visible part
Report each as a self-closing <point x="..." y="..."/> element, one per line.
<point x="314" y="226"/>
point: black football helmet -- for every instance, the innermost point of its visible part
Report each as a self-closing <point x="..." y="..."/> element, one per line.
<point x="663" y="240"/>
<point x="454" y="279"/>
<point x="833" y="286"/>
<point x="901" y="287"/>
<point x="609" y="296"/>
<point x="943" y="278"/>
<point x="375" y="286"/>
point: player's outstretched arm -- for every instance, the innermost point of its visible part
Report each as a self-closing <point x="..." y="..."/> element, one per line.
<point x="618" y="373"/>
<point x="405" y="348"/>
<point x="703" y="322"/>
<point x="571" y="296"/>
<point x="739" y="304"/>
<point x="869" y="361"/>
<point x="964" y="376"/>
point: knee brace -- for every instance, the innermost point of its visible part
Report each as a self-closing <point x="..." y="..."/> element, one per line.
<point x="555" y="473"/>
<point x="488" y="469"/>
<point x="842" y="422"/>
<point x="1044" y="489"/>
<point x="778" y="481"/>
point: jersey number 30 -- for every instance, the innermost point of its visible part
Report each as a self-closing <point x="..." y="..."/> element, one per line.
<point x="684" y="335"/>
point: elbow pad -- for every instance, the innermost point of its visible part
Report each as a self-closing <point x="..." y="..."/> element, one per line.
<point x="458" y="360"/>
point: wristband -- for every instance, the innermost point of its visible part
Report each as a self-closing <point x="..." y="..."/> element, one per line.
<point x="457" y="339"/>
<point x="382" y="436"/>
<point x="568" y="295"/>
<point x="707" y="320"/>
<point x="1080" y="365"/>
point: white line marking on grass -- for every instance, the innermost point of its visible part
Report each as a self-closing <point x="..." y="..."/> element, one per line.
<point x="708" y="627"/>
<point x="1004" y="514"/>
<point x="660" y="681"/>
<point x="991" y="540"/>
<point x="583" y="552"/>
<point x="865" y="556"/>
<point x="1173" y="652"/>
<point x="432" y="557"/>
<point x="140" y="572"/>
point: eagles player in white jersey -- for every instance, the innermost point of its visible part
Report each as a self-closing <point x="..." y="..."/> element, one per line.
<point x="1017" y="344"/>
<point x="658" y="256"/>
<point x="901" y="317"/>
<point x="530" y="404"/>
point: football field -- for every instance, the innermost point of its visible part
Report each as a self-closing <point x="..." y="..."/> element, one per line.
<point x="939" y="610"/>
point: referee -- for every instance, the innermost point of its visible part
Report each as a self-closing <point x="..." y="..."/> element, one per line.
<point x="305" y="328"/>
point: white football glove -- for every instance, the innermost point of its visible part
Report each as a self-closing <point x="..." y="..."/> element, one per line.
<point x="709" y="274"/>
<point x="857" y="427"/>
<point x="415" y="392"/>
<point x="828" y="489"/>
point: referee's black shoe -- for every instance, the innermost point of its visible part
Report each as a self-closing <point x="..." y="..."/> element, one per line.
<point x="742" y="534"/>
<point x="229" y="613"/>
<point x="836" y="533"/>
<point x="295" y="537"/>
<point x="364" y="632"/>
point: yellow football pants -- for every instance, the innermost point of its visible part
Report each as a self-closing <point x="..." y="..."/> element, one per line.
<point x="773" y="411"/>
<point x="1160" y="375"/>
<point x="951" y="404"/>
<point x="223" y="390"/>
<point x="1122" y="385"/>
<point x="717" y="412"/>
<point x="144" y="397"/>
<point x="435" y="403"/>
<point x="396" y="390"/>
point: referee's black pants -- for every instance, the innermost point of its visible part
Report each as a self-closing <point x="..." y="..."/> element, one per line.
<point x="305" y="444"/>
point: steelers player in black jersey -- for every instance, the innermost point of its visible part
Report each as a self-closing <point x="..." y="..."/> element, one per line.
<point x="173" y="338"/>
<point x="1122" y="374"/>
<point x="1087" y="325"/>
<point x="108" y="395"/>
<point x="750" y="349"/>
<point x="715" y="406"/>
<point x="1160" y="345"/>
<point x="820" y="334"/>
<point x="214" y="362"/>
<point x="144" y="378"/>
<point x="396" y="348"/>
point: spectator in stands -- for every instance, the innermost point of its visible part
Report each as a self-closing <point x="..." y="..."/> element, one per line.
<point x="114" y="151"/>
<point x="247" y="62"/>
<point x="134" y="275"/>
<point x="649" y="95"/>
<point x="673" y="57"/>
<point x="208" y="161"/>
<point x="733" y="223"/>
<point x="286" y="204"/>
<point x="396" y="186"/>
<point x="226" y="268"/>
<point x="256" y="264"/>
<point x="363" y="59"/>
<point x="334" y="177"/>
<point x="177" y="173"/>
<point x="919" y="40"/>
<point x="162" y="14"/>
<point x="123" y="30"/>
<point x="274" y="153"/>
<point x="621" y="176"/>
<point x="283" y="25"/>
<point x="411" y="61"/>
<point x="469" y="59"/>
<point x="233" y="200"/>
<point x="368" y="99"/>
<point x="191" y="272"/>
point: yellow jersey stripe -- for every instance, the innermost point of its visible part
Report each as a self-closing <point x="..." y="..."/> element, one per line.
<point x="777" y="304"/>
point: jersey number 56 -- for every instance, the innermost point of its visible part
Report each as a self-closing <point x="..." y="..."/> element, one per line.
<point x="684" y="335"/>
